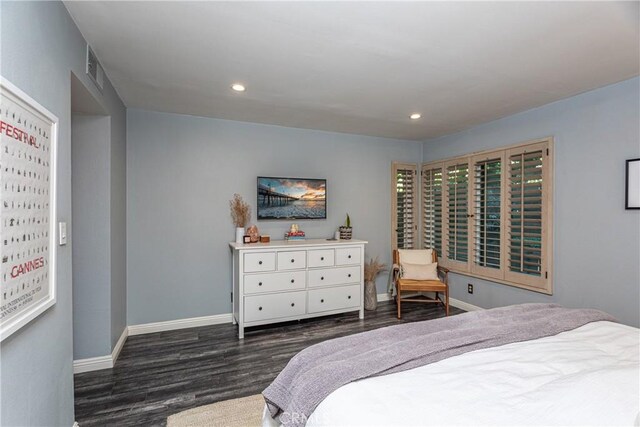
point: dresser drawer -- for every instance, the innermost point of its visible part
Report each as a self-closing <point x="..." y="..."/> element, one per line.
<point x="321" y="258"/>
<point x="263" y="261"/>
<point x="271" y="282"/>
<point x="328" y="299"/>
<point x="334" y="276"/>
<point x="292" y="260"/>
<point x="347" y="256"/>
<point x="274" y="306"/>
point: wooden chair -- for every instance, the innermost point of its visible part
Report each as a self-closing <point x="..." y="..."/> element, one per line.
<point x="406" y="285"/>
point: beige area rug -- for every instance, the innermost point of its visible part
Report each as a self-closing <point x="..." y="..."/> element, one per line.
<point x="243" y="412"/>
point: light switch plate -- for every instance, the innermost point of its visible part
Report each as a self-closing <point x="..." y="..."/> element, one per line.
<point x="62" y="234"/>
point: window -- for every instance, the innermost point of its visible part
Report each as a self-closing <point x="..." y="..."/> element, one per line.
<point x="489" y="214"/>
<point x="432" y="199"/>
<point x="404" y="224"/>
<point x="457" y="213"/>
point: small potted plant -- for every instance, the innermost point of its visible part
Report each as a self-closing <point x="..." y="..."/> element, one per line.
<point x="346" y="230"/>
<point x="240" y="214"/>
<point x="372" y="268"/>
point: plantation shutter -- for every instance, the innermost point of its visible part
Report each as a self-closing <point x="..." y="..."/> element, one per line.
<point x="432" y="200"/>
<point x="457" y="214"/>
<point x="527" y="207"/>
<point x="487" y="215"/>
<point x="404" y="192"/>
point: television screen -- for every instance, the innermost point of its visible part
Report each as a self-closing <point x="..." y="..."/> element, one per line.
<point x="292" y="198"/>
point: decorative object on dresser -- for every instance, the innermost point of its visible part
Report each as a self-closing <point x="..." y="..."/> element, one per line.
<point x="346" y="229"/>
<point x="290" y="280"/>
<point x="294" y="233"/>
<point x="240" y="214"/>
<point x="265" y="238"/>
<point x="254" y="234"/>
<point x="372" y="268"/>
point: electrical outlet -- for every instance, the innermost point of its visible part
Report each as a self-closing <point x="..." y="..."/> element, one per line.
<point x="470" y="288"/>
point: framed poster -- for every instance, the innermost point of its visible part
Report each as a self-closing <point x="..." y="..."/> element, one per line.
<point x="28" y="142"/>
<point x="632" y="185"/>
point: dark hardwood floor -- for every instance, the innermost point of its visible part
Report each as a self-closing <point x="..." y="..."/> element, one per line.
<point x="160" y="374"/>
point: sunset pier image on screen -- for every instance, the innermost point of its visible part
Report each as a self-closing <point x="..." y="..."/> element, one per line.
<point x="292" y="198"/>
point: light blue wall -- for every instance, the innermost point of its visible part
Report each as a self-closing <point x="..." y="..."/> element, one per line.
<point x="90" y="139"/>
<point x="118" y="223"/>
<point x="181" y="173"/>
<point x="39" y="47"/>
<point x="596" y="241"/>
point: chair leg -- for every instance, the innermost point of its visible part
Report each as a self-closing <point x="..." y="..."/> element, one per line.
<point x="399" y="303"/>
<point x="446" y="297"/>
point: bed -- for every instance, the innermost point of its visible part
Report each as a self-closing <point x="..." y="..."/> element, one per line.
<point x="585" y="376"/>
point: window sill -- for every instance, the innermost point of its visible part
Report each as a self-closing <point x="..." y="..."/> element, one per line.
<point x="548" y="290"/>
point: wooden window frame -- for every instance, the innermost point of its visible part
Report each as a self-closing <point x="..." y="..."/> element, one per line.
<point x="431" y="167"/>
<point x="444" y="259"/>
<point x="543" y="284"/>
<point x="395" y="166"/>
<point x="487" y="272"/>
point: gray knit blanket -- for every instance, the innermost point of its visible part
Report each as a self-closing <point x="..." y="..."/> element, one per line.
<point x="317" y="371"/>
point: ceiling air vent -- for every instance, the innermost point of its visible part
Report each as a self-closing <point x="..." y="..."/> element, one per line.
<point x="94" y="69"/>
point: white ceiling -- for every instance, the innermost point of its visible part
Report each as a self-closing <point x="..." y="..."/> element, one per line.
<point x="360" y="67"/>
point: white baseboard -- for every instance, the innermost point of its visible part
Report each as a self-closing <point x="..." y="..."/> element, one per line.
<point x="101" y="362"/>
<point x="384" y="297"/>
<point x="463" y="305"/>
<point x="452" y="301"/>
<point x="92" y="364"/>
<point x="118" y="347"/>
<point x="170" y="325"/>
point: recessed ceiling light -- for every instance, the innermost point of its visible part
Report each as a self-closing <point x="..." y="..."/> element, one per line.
<point x="238" y="87"/>
<point x="415" y="116"/>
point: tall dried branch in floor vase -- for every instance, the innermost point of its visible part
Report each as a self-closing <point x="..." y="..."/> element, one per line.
<point x="372" y="268"/>
<point x="240" y="214"/>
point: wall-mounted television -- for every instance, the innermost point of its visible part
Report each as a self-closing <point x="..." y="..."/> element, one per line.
<point x="291" y="198"/>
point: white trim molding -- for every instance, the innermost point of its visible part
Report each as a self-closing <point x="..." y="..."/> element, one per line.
<point x="101" y="362"/>
<point x="92" y="364"/>
<point x="463" y="305"/>
<point x="452" y="301"/>
<point x="170" y="325"/>
<point x="119" y="344"/>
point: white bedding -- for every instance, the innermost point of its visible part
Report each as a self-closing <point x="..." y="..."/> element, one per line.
<point x="587" y="376"/>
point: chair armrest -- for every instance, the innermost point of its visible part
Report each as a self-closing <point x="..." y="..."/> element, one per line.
<point x="442" y="269"/>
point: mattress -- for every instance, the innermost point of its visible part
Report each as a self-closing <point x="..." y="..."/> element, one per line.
<point x="587" y="376"/>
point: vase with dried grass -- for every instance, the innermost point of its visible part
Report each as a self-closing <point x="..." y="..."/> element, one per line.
<point x="240" y="214"/>
<point x="372" y="268"/>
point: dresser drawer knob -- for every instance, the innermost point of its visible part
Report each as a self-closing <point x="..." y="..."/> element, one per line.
<point x="260" y="308"/>
<point x="259" y="262"/>
<point x="322" y="278"/>
<point x="293" y="260"/>
<point x="349" y="275"/>
<point x="293" y="304"/>
<point x="292" y="280"/>
<point x="321" y="258"/>
<point x="259" y="283"/>
<point x="321" y="300"/>
<point x="349" y="297"/>
<point x="349" y="256"/>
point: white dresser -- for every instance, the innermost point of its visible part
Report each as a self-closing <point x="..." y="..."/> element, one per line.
<point x="282" y="281"/>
